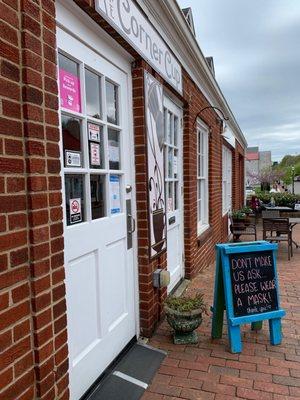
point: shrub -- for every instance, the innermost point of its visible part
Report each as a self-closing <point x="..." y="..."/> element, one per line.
<point x="186" y="303"/>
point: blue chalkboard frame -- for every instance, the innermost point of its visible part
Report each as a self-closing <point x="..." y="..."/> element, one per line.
<point x="223" y="296"/>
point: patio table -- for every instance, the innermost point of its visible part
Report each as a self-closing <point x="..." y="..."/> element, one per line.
<point x="279" y="208"/>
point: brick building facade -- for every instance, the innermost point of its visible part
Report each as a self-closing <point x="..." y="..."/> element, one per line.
<point x="34" y="318"/>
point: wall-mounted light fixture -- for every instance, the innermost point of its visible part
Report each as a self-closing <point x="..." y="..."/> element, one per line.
<point x="219" y="120"/>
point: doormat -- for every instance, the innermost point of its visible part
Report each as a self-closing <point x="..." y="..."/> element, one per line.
<point x="131" y="375"/>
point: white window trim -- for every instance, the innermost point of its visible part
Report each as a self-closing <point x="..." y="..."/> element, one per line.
<point x="203" y="223"/>
<point x="226" y="180"/>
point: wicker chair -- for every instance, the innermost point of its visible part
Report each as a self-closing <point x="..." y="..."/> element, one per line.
<point x="283" y="232"/>
<point x="242" y="228"/>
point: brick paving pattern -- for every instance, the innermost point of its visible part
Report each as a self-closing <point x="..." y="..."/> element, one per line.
<point x="209" y="371"/>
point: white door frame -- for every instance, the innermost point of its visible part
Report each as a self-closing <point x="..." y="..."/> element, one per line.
<point x="71" y="19"/>
<point x="177" y="107"/>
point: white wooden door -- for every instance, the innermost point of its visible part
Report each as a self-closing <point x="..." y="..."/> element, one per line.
<point x="174" y="190"/>
<point x="97" y="154"/>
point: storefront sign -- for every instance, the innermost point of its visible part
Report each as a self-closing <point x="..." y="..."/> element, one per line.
<point x="246" y="287"/>
<point x="94" y="132"/>
<point x="95" y="153"/>
<point x="115" y="201"/>
<point x="128" y="20"/>
<point x="75" y="210"/>
<point x="73" y="158"/>
<point x="69" y="90"/>
<point x="155" y="152"/>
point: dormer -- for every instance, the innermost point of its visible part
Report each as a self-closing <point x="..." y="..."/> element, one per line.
<point x="187" y="12"/>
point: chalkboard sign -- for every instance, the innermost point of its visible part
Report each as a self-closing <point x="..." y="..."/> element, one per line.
<point x="246" y="286"/>
<point x="253" y="283"/>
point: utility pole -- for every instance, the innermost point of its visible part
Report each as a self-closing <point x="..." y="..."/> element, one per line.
<point x="293" y="179"/>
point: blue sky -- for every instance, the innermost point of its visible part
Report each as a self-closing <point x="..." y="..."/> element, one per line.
<point x="255" y="45"/>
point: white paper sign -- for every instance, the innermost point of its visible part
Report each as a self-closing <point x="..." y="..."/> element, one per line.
<point x="113" y="151"/>
<point x="75" y="210"/>
<point x="94" y="132"/>
<point x="73" y="158"/>
<point x="130" y="22"/>
<point x="175" y="165"/>
<point x="115" y="201"/>
<point x="297" y="207"/>
<point x="95" y="153"/>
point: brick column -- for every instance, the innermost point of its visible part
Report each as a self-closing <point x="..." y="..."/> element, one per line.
<point x="16" y="361"/>
<point x="40" y="108"/>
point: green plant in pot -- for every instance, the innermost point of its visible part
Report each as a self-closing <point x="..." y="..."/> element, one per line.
<point x="184" y="315"/>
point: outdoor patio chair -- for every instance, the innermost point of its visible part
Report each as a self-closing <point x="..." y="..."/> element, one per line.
<point x="278" y="230"/>
<point x="242" y="228"/>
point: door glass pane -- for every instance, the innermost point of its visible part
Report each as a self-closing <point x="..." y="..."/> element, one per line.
<point x="96" y="145"/>
<point x="112" y="103"/>
<point x="170" y="162"/>
<point x="175" y="164"/>
<point x="114" y="149"/>
<point x="170" y="197"/>
<point x="74" y="187"/>
<point x="169" y="129"/>
<point x="98" y="196"/>
<point x="69" y="84"/>
<point x="176" y="195"/>
<point x="92" y="90"/>
<point x="71" y="133"/>
<point x="175" y="130"/>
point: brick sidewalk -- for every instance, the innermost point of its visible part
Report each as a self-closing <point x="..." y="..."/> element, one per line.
<point x="209" y="371"/>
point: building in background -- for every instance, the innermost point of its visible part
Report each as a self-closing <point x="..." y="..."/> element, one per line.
<point x="256" y="162"/>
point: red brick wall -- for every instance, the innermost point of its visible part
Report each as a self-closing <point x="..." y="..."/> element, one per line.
<point x="199" y="250"/>
<point x="33" y="321"/>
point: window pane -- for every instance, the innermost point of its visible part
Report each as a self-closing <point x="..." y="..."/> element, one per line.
<point x="71" y="133"/>
<point x="169" y="129"/>
<point x="170" y="197"/>
<point x="176" y="195"/>
<point x="175" y="163"/>
<point x="92" y="89"/>
<point x="69" y="84"/>
<point x="175" y="130"/>
<point x="203" y="201"/>
<point x="114" y="149"/>
<point x="96" y="145"/>
<point x="97" y="196"/>
<point x="112" y="103"/>
<point x="74" y="187"/>
<point x="170" y="162"/>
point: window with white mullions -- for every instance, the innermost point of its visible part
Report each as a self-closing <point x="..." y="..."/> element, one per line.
<point x="171" y="159"/>
<point x="226" y="179"/>
<point x="91" y="140"/>
<point x="202" y="177"/>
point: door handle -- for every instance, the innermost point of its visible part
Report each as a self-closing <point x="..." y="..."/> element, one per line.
<point x="132" y="224"/>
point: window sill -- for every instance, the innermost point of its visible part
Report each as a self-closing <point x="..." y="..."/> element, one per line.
<point x="203" y="235"/>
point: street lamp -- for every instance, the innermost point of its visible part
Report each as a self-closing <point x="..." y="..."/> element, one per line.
<point x="293" y="179"/>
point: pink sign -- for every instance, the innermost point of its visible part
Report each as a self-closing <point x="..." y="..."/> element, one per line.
<point x="69" y="88"/>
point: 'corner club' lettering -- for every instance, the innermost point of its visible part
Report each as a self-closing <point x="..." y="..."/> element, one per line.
<point x="127" y="19"/>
